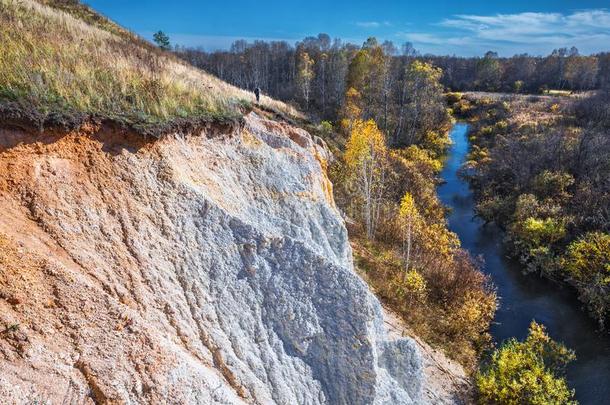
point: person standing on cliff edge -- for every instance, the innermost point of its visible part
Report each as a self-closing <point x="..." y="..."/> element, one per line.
<point x="257" y="93"/>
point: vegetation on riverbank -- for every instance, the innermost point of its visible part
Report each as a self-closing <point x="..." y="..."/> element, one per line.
<point x="397" y="225"/>
<point x="540" y="169"/>
<point x="528" y="372"/>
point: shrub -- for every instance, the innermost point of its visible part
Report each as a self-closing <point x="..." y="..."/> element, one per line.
<point x="518" y="86"/>
<point x="453" y="98"/>
<point x="326" y="127"/>
<point x="462" y="107"/>
<point x="587" y="265"/>
<point x="549" y="184"/>
<point x="536" y="231"/>
<point x="436" y="143"/>
<point x="411" y="286"/>
<point x="528" y="372"/>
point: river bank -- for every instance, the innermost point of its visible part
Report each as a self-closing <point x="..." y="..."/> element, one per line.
<point x="525" y="298"/>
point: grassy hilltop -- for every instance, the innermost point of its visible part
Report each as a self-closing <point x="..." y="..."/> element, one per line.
<point x="60" y="61"/>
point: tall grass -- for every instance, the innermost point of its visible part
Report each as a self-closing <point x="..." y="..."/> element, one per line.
<point x="69" y="59"/>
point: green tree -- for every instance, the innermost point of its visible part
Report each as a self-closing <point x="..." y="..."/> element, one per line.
<point x="162" y="40"/>
<point x="489" y="72"/>
<point x="529" y="372"/>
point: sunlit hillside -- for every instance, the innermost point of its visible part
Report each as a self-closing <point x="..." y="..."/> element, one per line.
<point x="62" y="58"/>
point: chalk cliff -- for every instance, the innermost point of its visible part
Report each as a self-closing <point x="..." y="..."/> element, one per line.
<point x="209" y="268"/>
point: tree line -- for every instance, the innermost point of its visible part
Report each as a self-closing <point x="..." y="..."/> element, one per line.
<point x="316" y="71"/>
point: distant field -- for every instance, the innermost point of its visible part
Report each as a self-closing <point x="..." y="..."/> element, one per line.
<point x="548" y="95"/>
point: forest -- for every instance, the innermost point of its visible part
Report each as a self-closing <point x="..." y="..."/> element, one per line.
<point x="315" y="72"/>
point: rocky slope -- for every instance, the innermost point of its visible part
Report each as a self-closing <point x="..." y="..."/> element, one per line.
<point x="206" y="268"/>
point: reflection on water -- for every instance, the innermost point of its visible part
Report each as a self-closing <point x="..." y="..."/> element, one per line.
<point x="526" y="298"/>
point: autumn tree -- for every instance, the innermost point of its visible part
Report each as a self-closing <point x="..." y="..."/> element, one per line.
<point x="408" y="216"/>
<point x="529" y="372"/>
<point x="587" y="265"/>
<point x="424" y="107"/>
<point x="352" y="109"/>
<point x="305" y="75"/>
<point x="366" y="158"/>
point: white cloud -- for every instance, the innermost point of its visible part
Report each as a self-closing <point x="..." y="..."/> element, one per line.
<point x="373" y="24"/>
<point x="537" y="33"/>
<point x="432" y="39"/>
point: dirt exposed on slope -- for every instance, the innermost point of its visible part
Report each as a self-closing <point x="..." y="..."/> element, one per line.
<point x="446" y="380"/>
<point x="66" y="326"/>
<point x="205" y="268"/>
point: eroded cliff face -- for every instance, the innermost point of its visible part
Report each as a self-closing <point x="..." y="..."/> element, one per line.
<point x="208" y="268"/>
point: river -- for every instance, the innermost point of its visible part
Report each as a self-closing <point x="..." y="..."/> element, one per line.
<point x="526" y="298"/>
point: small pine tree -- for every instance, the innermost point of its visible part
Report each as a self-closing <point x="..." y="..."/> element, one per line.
<point x="162" y="40"/>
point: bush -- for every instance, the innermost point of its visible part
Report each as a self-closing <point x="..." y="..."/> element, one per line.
<point x="411" y="286"/>
<point x="453" y="98"/>
<point x="550" y="184"/>
<point x="535" y="232"/>
<point x="529" y="372"/>
<point x="587" y="265"/>
<point x="326" y="127"/>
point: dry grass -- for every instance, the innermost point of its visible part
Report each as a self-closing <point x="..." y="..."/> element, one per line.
<point x="65" y="58"/>
<point x="454" y="314"/>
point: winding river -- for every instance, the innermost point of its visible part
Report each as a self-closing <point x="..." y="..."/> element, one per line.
<point x="526" y="298"/>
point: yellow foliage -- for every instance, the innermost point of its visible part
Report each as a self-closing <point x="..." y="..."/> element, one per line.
<point x="366" y="144"/>
<point x="366" y="157"/>
<point x="438" y="239"/>
<point x="408" y="209"/>
<point x="415" y="283"/>
<point x="526" y="372"/>
<point x="428" y="70"/>
<point x="589" y="257"/>
<point x="352" y="109"/>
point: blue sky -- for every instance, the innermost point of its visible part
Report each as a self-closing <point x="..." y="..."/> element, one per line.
<point x="435" y="26"/>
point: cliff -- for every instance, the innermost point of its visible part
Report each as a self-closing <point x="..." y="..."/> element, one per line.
<point x="158" y="246"/>
<point x="197" y="268"/>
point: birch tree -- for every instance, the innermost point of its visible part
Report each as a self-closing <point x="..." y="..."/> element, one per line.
<point x="366" y="158"/>
<point x="423" y="102"/>
<point x="305" y="76"/>
<point x="409" y="217"/>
